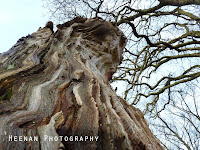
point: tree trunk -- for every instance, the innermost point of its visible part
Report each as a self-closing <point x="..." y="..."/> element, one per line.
<point x="55" y="92"/>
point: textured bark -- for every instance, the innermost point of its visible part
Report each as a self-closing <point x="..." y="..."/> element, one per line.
<point x="179" y="2"/>
<point x="57" y="84"/>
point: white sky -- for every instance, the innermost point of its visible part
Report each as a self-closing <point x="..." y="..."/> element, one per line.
<point x="19" y="18"/>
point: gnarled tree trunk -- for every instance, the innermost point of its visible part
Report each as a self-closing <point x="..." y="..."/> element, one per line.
<point x="55" y="92"/>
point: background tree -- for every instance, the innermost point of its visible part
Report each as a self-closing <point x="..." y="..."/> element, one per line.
<point x="160" y="68"/>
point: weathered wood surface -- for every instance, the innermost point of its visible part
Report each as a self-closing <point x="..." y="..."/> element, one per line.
<point x="57" y="84"/>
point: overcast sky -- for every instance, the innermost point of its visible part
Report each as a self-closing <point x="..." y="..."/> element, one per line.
<point x="19" y="18"/>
